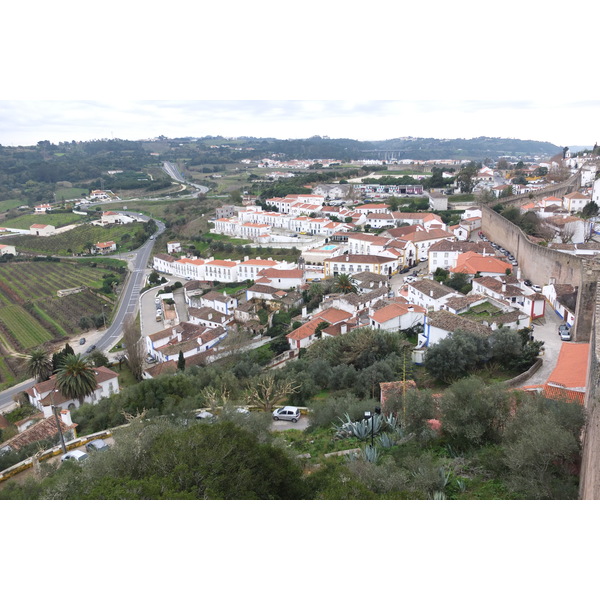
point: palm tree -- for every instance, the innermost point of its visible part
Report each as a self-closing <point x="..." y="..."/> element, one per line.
<point x="343" y="284"/>
<point x="76" y="377"/>
<point x="39" y="365"/>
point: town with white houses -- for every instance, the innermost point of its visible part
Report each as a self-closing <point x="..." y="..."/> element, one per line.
<point x="392" y="263"/>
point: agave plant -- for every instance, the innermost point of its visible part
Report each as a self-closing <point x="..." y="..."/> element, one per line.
<point x="437" y="495"/>
<point x="385" y="440"/>
<point x="370" y="454"/>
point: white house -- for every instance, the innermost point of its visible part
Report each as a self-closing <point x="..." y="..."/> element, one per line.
<point x="282" y="279"/>
<point x="45" y="394"/>
<point x="397" y="316"/>
<point x="42" y="230"/>
<point x="7" y="249"/>
<point x="186" y="337"/>
<point x="441" y="324"/>
<point x="429" y="294"/>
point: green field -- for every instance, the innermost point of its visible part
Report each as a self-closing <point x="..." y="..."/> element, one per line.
<point x="56" y="219"/>
<point x="31" y="312"/>
<point x="77" y="240"/>
<point x="9" y="204"/>
<point x="70" y="193"/>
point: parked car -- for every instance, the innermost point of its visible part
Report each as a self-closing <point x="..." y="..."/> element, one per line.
<point x="528" y="283"/>
<point x="96" y="446"/>
<point x="563" y="327"/>
<point x="536" y="288"/>
<point x="204" y="414"/>
<point x="91" y="348"/>
<point x="82" y="341"/>
<point x="74" y="455"/>
<point x="565" y="336"/>
<point x="286" y="413"/>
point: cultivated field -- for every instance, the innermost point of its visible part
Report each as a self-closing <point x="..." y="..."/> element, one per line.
<point x="77" y="240"/>
<point x="56" y="219"/>
<point x="31" y="313"/>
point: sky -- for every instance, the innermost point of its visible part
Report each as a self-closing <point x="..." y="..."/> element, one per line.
<point x="561" y="122"/>
<point x="437" y="69"/>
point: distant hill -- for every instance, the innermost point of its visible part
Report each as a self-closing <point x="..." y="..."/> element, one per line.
<point x="415" y="148"/>
<point x="475" y="149"/>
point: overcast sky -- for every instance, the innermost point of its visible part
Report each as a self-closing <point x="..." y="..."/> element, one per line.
<point x="562" y="123"/>
<point x="439" y="69"/>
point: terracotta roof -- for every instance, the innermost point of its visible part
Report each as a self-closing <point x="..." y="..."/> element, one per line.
<point x="333" y="315"/>
<point x="282" y="273"/>
<point x="391" y="311"/>
<point x="460" y="302"/>
<point x="432" y="288"/>
<point x="306" y="330"/>
<point x="37" y="226"/>
<point x="221" y="263"/>
<point x="472" y="263"/>
<point x="165" y="257"/>
<point x="262" y="289"/>
<point x="462" y="246"/>
<point x="164" y="368"/>
<point x="38" y="431"/>
<point x="442" y="319"/>
<point x="571" y="367"/>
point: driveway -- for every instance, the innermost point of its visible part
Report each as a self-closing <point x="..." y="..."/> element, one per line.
<point x="302" y="424"/>
<point x="547" y="333"/>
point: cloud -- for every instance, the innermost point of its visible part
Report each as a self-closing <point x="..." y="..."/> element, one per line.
<point x="561" y="122"/>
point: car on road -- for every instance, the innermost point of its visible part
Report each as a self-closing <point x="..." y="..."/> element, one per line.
<point x="82" y="341"/>
<point x="409" y="279"/>
<point x="91" y="348"/>
<point x="528" y="283"/>
<point x="536" y="288"/>
<point x="74" y="456"/>
<point x="565" y="336"/>
<point x="98" y="445"/>
<point x="287" y="413"/>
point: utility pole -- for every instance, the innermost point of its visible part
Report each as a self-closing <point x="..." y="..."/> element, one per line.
<point x="60" y="433"/>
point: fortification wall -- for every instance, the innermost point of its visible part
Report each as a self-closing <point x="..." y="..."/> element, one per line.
<point x="537" y="263"/>
<point x="589" y="481"/>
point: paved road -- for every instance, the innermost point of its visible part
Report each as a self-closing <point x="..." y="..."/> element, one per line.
<point x="128" y="304"/>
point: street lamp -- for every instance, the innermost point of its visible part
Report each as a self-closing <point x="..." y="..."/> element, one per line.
<point x="371" y="415"/>
<point x="103" y="317"/>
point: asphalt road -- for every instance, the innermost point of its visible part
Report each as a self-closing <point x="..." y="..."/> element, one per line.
<point x="128" y="304"/>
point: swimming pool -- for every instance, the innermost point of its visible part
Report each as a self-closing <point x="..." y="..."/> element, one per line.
<point x="329" y="247"/>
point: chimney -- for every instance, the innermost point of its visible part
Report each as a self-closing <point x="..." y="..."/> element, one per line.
<point x="410" y="308"/>
<point x="304" y="312"/>
<point x="347" y="258"/>
<point x="503" y="287"/>
<point x="431" y="293"/>
<point x="246" y="258"/>
<point x="65" y="416"/>
<point x="210" y="315"/>
<point x="343" y="328"/>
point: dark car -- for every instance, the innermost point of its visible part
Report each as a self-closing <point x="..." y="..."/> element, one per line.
<point x="82" y="341"/>
<point x="91" y="348"/>
<point x="528" y="283"/>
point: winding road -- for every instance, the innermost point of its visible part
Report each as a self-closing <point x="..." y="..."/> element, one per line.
<point x="127" y="307"/>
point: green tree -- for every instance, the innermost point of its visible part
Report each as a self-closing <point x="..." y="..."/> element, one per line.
<point x="39" y="365"/>
<point x="181" y="361"/>
<point x="474" y="414"/>
<point x="343" y="284"/>
<point x="542" y="447"/>
<point x="589" y="210"/>
<point x="76" y="377"/>
<point x="455" y="356"/>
